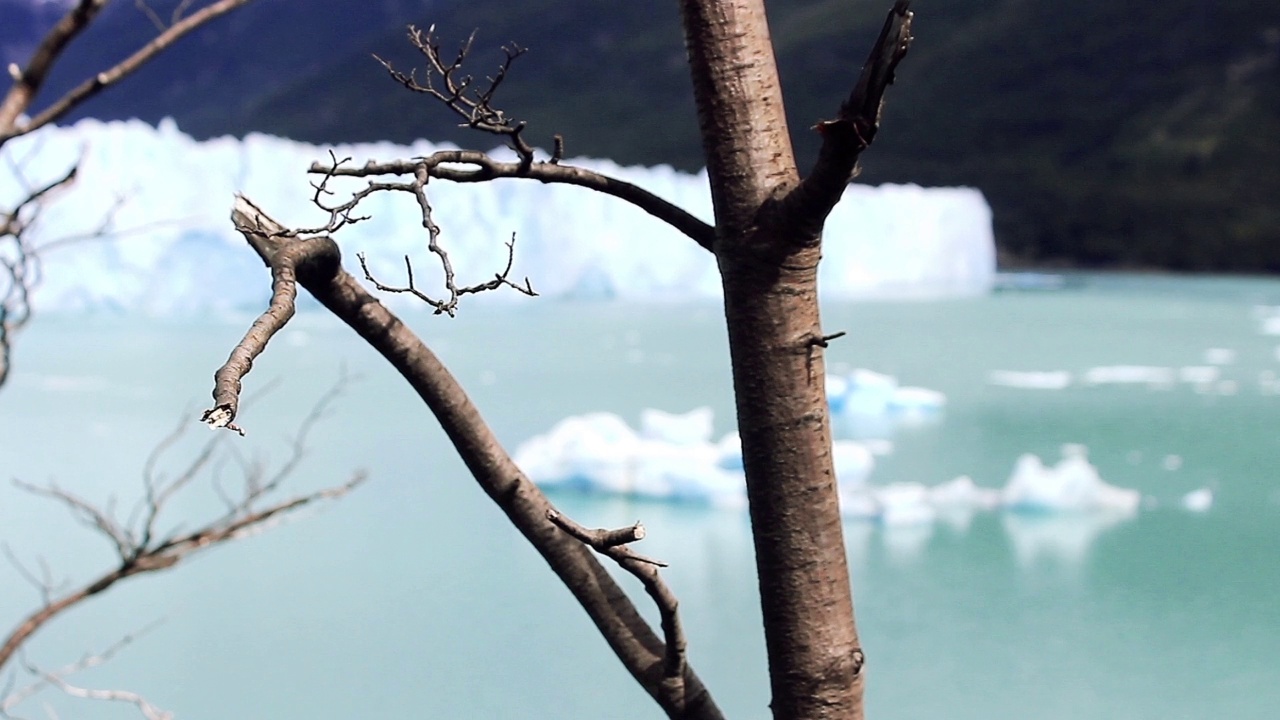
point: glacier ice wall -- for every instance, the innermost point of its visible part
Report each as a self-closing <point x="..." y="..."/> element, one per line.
<point x="172" y="249"/>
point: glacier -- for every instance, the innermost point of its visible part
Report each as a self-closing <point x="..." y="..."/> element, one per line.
<point x="164" y="199"/>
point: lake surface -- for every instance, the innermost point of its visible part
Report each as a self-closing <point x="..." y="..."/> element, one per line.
<point x="413" y="598"/>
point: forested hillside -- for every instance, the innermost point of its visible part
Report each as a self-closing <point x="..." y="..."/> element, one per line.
<point x="1104" y="134"/>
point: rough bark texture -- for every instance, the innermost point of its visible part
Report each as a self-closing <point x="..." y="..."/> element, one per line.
<point x="768" y="261"/>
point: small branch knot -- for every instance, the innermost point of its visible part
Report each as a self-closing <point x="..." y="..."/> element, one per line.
<point x="823" y="341"/>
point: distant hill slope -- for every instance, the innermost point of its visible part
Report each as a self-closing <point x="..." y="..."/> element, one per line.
<point x="1104" y="134"/>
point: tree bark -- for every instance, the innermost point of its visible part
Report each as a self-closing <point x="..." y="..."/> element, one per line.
<point x="768" y="262"/>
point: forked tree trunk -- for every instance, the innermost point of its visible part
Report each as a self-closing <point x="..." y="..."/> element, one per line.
<point x="768" y="260"/>
<point x="767" y="241"/>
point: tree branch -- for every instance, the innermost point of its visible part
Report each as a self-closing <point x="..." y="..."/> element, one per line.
<point x="11" y="700"/>
<point x="21" y="262"/>
<point x="474" y="105"/>
<point x="141" y="549"/>
<point x="643" y="654"/>
<point x="29" y="80"/>
<point x="443" y="165"/>
<point x="853" y="130"/>
<point x="613" y="543"/>
<point x="341" y="215"/>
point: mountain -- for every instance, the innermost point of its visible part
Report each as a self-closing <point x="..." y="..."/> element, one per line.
<point x="1104" y="134"/>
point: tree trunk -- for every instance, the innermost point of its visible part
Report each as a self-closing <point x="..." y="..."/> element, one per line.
<point x="768" y="261"/>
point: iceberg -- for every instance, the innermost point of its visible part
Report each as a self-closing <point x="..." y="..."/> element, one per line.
<point x="670" y="457"/>
<point x="912" y="503"/>
<point x="1054" y="512"/>
<point x="1030" y="379"/>
<point x="1073" y="485"/>
<point x="1130" y="375"/>
<point x="600" y="452"/>
<point x="170" y="248"/>
<point x="1198" y="501"/>
<point x="868" y="404"/>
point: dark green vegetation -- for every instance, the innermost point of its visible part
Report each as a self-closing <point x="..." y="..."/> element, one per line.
<point x="1104" y="134"/>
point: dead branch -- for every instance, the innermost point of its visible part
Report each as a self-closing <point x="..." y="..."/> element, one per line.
<point x="260" y="228"/>
<point x="613" y="543"/>
<point x="341" y="215"/>
<point x="148" y="710"/>
<point x="22" y="257"/>
<point x="19" y="258"/>
<point x="161" y="25"/>
<point x="443" y="164"/>
<point x="445" y="81"/>
<point x="12" y="698"/>
<point x="29" y="80"/>
<point x="853" y="129"/>
<point x="44" y="583"/>
<point x="641" y="651"/>
<point x="141" y="548"/>
<point x="21" y="261"/>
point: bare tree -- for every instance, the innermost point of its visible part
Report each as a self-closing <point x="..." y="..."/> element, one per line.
<point x="767" y="241"/>
<point x="142" y="544"/>
<point x="20" y="253"/>
<point x="147" y="541"/>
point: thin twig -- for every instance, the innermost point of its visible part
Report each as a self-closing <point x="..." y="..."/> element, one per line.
<point x="446" y="81"/>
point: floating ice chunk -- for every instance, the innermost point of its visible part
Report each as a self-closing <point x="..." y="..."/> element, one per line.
<point x="1267" y="383"/>
<point x="963" y="493"/>
<point x="878" y="446"/>
<point x="1031" y="379"/>
<point x="684" y="472"/>
<point x="729" y="452"/>
<point x="960" y="499"/>
<point x="1129" y="375"/>
<point x="896" y="504"/>
<point x="1198" y="500"/>
<point x="1073" y="485"/>
<point x="1219" y="356"/>
<point x="908" y="504"/>
<point x="595" y="450"/>
<point x="872" y="404"/>
<point x="916" y="400"/>
<point x="866" y="393"/>
<point x="695" y="426"/>
<point x="1171" y="462"/>
<point x="859" y="504"/>
<point x="853" y="462"/>
<point x="905" y="504"/>
<point x="837" y="392"/>
<point x="1199" y="374"/>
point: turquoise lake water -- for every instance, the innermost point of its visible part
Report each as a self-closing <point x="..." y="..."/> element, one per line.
<point x="413" y="598"/>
